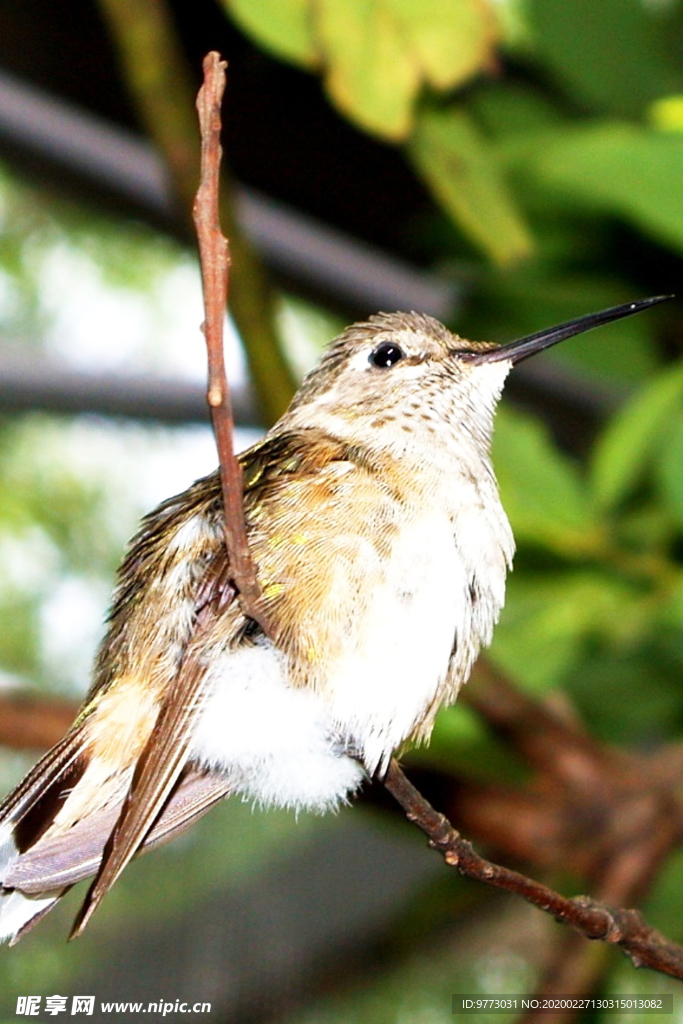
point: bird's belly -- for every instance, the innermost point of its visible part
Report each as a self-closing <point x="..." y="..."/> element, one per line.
<point x="393" y="670"/>
<point x="275" y="742"/>
<point x="286" y="744"/>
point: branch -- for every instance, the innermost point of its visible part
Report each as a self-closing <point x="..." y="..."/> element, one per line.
<point x="645" y="946"/>
<point x="215" y="262"/>
<point x="30" y="722"/>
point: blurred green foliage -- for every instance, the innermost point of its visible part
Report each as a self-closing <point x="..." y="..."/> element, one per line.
<point x="377" y="57"/>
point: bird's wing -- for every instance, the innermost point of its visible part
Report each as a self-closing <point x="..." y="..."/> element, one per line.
<point x="158" y="767"/>
<point x="36" y="881"/>
<point x="57" y="863"/>
<point x="24" y="816"/>
<point x="107" y="782"/>
<point x="58" y="764"/>
<point x="113" y="786"/>
<point x="166" y="751"/>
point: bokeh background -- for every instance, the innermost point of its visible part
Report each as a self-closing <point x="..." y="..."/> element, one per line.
<point x="503" y="165"/>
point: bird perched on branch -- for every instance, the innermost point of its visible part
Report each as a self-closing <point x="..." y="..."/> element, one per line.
<point x="381" y="548"/>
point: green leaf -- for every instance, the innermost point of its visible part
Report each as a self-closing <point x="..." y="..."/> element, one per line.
<point x="506" y="107"/>
<point x="548" y="620"/>
<point x="624" y="448"/>
<point x="377" y="54"/>
<point x="372" y="74"/>
<point x="461" y="742"/>
<point x="625" y="693"/>
<point x="608" y="54"/>
<point x="451" y="41"/>
<point x="632" y="172"/>
<point x="664" y="906"/>
<point x="666" y="114"/>
<point x="284" y="27"/>
<point x="670" y="467"/>
<point x="542" y="492"/>
<point x="459" y="167"/>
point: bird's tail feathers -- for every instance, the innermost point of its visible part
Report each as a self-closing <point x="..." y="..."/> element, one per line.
<point x="38" y="865"/>
<point x="24" y="816"/>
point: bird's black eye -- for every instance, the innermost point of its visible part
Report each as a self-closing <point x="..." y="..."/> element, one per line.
<point x="386" y="355"/>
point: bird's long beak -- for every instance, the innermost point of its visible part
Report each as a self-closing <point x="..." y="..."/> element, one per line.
<point x="516" y="351"/>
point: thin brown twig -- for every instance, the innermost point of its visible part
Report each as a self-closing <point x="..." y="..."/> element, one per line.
<point x="578" y="968"/>
<point x="632" y="795"/>
<point x="215" y="263"/>
<point x="626" y="928"/>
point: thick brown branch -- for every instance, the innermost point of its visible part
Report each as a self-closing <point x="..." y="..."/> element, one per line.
<point x="626" y="928"/>
<point x="30" y="722"/>
<point x="215" y="262"/>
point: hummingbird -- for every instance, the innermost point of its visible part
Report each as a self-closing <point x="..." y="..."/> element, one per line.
<point x="381" y="548"/>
